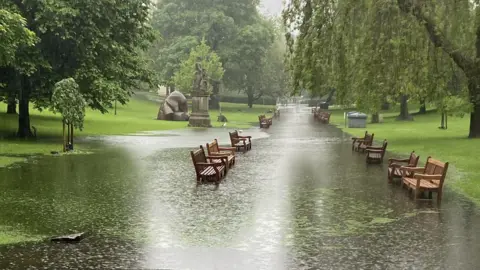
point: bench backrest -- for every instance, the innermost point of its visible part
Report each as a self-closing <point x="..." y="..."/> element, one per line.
<point x="213" y="147"/>
<point x="413" y="160"/>
<point x="368" y="139"/>
<point x="198" y="155"/>
<point x="434" y="166"/>
<point x="234" y="137"/>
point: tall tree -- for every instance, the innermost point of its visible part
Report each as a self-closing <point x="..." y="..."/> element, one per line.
<point x="386" y="49"/>
<point x="95" y="42"/>
<point x="223" y="24"/>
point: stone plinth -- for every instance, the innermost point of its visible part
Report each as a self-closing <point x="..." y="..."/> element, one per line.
<point x="199" y="116"/>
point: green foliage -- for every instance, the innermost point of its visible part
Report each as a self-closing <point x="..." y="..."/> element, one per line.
<point x="374" y="51"/>
<point x="13" y="34"/>
<point x="68" y="101"/>
<point x="210" y="62"/>
<point x="97" y="43"/>
<point x="234" y="30"/>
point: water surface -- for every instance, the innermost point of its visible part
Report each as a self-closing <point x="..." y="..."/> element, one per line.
<point x="299" y="200"/>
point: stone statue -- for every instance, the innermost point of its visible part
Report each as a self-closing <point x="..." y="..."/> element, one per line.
<point x="175" y="108"/>
<point x="198" y="78"/>
<point x="204" y="83"/>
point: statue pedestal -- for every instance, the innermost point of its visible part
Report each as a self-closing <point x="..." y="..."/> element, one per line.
<point x="199" y="116"/>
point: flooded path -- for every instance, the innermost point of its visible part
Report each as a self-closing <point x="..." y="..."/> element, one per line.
<point x="299" y="200"/>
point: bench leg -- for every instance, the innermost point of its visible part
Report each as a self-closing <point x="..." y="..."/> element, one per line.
<point x="439" y="196"/>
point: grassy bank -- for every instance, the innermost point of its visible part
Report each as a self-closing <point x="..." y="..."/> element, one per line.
<point x="138" y="115"/>
<point x="424" y="136"/>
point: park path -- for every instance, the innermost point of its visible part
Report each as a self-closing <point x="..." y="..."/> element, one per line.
<point x="299" y="200"/>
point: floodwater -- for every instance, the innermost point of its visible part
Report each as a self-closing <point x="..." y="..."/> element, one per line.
<point x="299" y="200"/>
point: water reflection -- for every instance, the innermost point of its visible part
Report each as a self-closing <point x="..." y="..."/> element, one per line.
<point x="299" y="200"/>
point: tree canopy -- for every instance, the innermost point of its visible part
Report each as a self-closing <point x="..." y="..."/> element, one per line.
<point x="209" y="60"/>
<point x="97" y="43"/>
<point x="374" y="51"/>
<point x="234" y="30"/>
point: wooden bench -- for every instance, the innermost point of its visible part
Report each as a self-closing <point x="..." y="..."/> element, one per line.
<point x="264" y="121"/>
<point x="226" y="154"/>
<point x="361" y="144"/>
<point x="276" y="114"/>
<point x="426" y="179"/>
<point x="241" y="143"/>
<point x="208" y="168"/>
<point x="375" y="154"/>
<point x="394" y="166"/>
<point x="324" y="117"/>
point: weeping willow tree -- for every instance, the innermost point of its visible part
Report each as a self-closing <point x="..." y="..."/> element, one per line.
<point x="374" y="51"/>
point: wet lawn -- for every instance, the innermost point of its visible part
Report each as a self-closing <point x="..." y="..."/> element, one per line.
<point x="136" y="116"/>
<point x="424" y="136"/>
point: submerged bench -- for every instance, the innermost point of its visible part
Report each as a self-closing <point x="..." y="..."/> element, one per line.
<point x="394" y="166"/>
<point x="426" y="179"/>
<point x="223" y="153"/>
<point x="361" y="144"/>
<point x="208" y="168"/>
<point x="324" y="117"/>
<point x="375" y="154"/>
<point x="264" y="121"/>
<point x="241" y="143"/>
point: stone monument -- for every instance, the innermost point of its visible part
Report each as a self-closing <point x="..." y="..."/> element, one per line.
<point x="175" y="108"/>
<point x="199" y="116"/>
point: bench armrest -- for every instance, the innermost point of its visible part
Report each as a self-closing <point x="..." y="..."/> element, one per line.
<point x="245" y="137"/>
<point x="374" y="150"/>
<point x="412" y="169"/>
<point x="398" y="160"/>
<point x="227" y="149"/>
<point x="428" y="176"/>
<point x="217" y="156"/>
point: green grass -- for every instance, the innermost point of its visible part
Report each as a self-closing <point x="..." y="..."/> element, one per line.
<point x="136" y="116"/>
<point x="424" y="136"/>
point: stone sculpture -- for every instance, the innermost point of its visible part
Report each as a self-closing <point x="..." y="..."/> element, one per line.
<point x="200" y="96"/>
<point x="175" y="108"/>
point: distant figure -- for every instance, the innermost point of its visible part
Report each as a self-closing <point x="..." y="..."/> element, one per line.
<point x="222" y="118"/>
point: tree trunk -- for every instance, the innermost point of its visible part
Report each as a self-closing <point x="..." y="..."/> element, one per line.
<point x="214" y="103"/>
<point x="250" y="100"/>
<point x="442" y="122"/>
<point x="404" y="115"/>
<point x="423" y="107"/>
<point x="375" y="118"/>
<point x="23" y="111"/>
<point x="386" y="106"/>
<point x="475" y="122"/>
<point x="11" y="105"/>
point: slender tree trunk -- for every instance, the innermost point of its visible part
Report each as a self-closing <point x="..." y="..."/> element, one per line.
<point x="423" y="107"/>
<point x="71" y="137"/>
<point x="442" y="122"/>
<point x="475" y="122"/>
<point x="375" y="118"/>
<point x="11" y="105"/>
<point x="63" y="137"/>
<point x="386" y="106"/>
<point x="250" y="100"/>
<point x="23" y="110"/>
<point x="404" y="114"/>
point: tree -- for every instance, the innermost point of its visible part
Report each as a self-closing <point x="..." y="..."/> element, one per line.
<point x="95" y="42"/>
<point x="210" y="61"/>
<point x="223" y="24"/>
<point x="13" y="34"/>
<point x="68" y="101"/>
<point x="398" y="42"/>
